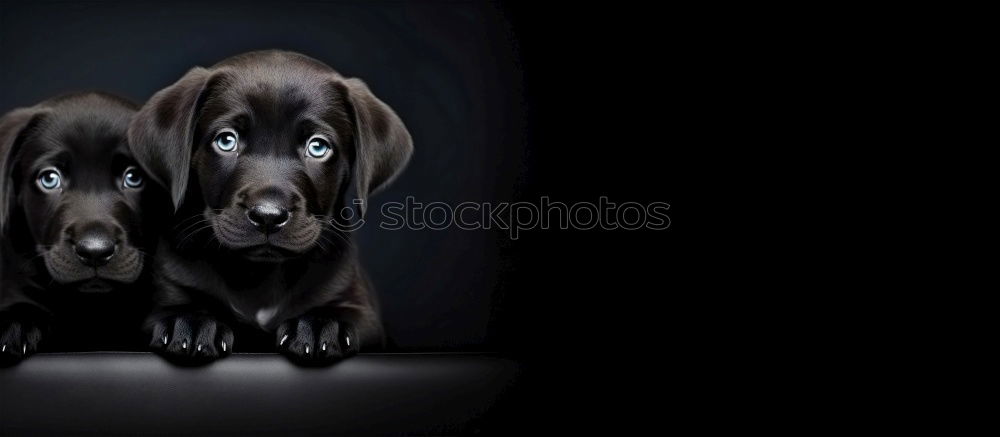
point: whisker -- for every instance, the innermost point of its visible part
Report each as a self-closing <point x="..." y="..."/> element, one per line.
<point x="191" y="234"/>
<point x="329" y="242"/>
<point x="30" y="260"/>
<point x="199" y="222"/>
<point x="182" y="222"/>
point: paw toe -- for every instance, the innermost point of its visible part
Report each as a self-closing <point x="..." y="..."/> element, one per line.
<point x="192" y="340"/>
<point x="316" y="340"/>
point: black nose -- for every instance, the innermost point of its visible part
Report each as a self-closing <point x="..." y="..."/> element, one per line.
<point x="95" y="249"/>
<point x="268" y="217"/>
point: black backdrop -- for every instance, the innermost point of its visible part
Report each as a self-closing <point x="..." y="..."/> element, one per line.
<point x="505" y="101"/>
<point x="448" y="69"/>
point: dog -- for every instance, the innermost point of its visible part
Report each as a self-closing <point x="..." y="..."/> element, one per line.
<point x="71" y="214"/>
<point x="269" y="158"/>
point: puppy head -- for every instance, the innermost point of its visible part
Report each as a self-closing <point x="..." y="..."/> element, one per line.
<point x="279" y="146"/>
<point x="70" y="180"/>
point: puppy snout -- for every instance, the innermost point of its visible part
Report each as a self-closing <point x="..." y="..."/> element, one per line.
<point x="95" y="248"/>
<point x="268" y="217"/>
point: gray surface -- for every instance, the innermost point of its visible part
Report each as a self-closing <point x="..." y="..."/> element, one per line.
<point x="128" y="393"/>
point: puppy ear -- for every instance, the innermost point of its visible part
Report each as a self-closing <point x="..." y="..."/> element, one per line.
<point x="382" y="145"/>
<point x="161" y="134"/>
<point x="14" y="127"/>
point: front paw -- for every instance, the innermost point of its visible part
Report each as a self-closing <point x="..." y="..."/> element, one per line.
<point x="19" y="338"/>
<point x="191" y="339"/>
<point x="317" y="340"/>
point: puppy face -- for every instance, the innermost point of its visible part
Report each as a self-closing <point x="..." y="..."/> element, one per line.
<point x="270" y="159"/>
<point x="281" y="147"/>
<point x="77" y="189"/>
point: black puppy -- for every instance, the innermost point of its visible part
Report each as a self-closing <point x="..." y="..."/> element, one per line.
<point x="71" y="214"/>
<point x="270" y="157"/>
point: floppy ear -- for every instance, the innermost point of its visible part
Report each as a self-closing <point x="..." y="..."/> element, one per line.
<point x="161" y="133"/>
<point x="382" y="145"/>
<point x="14" y="127"/>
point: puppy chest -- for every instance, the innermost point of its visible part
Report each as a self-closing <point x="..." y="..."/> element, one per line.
<point x="263" y="316"/>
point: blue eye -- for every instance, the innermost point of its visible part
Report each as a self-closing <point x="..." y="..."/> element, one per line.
<point x="317" y="147"/>
<point x="132" y="178"/>
<point x="49" y="179"/>
<point x="227" y="140"/>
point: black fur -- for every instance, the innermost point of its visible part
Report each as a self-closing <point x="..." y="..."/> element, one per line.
<point x="50" y="235"/>
<point x="298" y="280"/>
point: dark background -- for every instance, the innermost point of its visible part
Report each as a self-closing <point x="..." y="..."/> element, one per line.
<point x="506" y="101"/>
<point x="449" y="69"/>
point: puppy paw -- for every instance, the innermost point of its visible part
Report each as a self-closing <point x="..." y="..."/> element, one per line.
<point x="316" y="340"/>
<point x="189" y="339"/>
<point x="19" y="338"/>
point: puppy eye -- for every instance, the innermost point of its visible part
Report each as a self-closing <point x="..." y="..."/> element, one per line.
<point x="49" y="179"/>
<point x="132" y="178"/>
<point x="318" y="147"/>
<point x="227" y="140"/>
